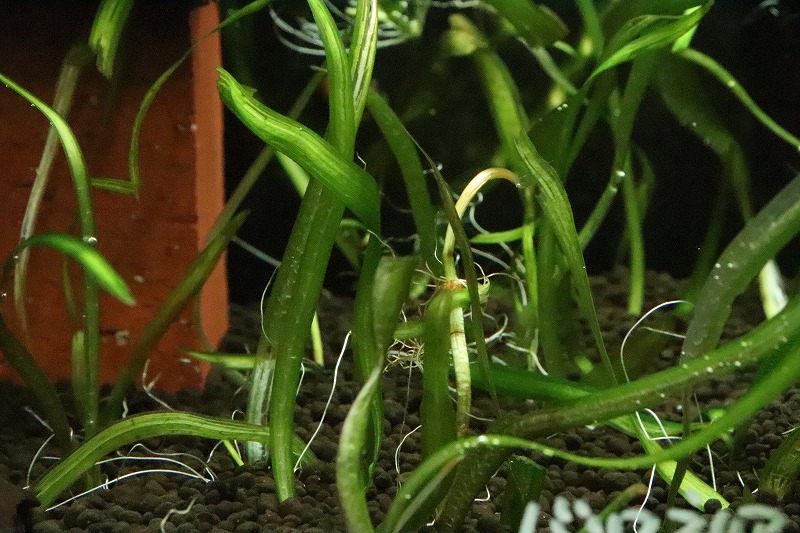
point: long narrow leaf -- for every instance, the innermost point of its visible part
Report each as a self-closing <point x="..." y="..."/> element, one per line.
<point x="152" y="92"/>
<point x="725" y="77"/>
<point x="107" y="29"/>
<point x="554" y="202"/>
<point x="436" y="412"/>
<point x="642" y="393"/>
<point x="85" y="214"/>
<point x="301" y="275"/>
<point x="349" y="481"/>
<point x="760" y="240"/>
<point x="647" y="33"/>
<point x="683" y="92"/>
<point x="505" y="101"/>
<point x="88" y="257"/>
<point x="351" y="184"/>
<point x="76" y="59"/>
<point x="470" y="272"/>
<point x="536" y="24"/>
<point x="405" y="151"/>
<point x="382" y="289"/>
<point x="35" y="377"/>
<point x="187" y="288"/>
<point x="75" y="159"/>
<point x="363" y="51"/>
<point x="140" y="427"/>
<point x="779" y="475"/>
<point x="341" y="110"/>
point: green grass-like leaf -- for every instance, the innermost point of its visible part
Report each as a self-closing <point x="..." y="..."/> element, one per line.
<point x="436" y="412"/>
<point x="362" y="53"/>
<point x="683" y="91"/>
<point x="47" y="397"/>
<point x="78" y="56"/>
<point x="236" y="361"/>
<point x="290" y="307"/>
<point x="762" y="238"/>
<point x="553" y="200"/>
<point x="89" y="258"/>
<point x="196" y="275"/>
<point x="351" y="184"/>
<point x="140" y="427"/>
<point x="106" y="33"/>
<point x="349" y="470"/>
<point x="645" y="392"/>
<point x="405" y="151"/>
<point x="727" y="79"/>
<point x="152" y="92"/>
<point x="85" y="215"/>
<point x="536" y="24"/>
<point x="647" y="33"/>
<point x="341" y="109"/>
<point x="779" y="475"/>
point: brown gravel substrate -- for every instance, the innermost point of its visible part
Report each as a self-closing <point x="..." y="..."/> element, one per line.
<point x="242" y="499"/>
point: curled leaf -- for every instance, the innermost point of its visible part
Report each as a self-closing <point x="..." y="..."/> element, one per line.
<point x="350" y="183"/>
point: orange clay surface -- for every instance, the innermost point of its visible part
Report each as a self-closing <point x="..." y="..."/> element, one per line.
<point x="149" y="241"/>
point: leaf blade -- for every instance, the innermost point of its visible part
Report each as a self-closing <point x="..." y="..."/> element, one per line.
<point x="351" y="184"/>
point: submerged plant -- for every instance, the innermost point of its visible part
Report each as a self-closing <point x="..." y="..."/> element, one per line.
<point x="551" y="257"/>
<point x="101" y="434"/>
<point x="597" y="79"/>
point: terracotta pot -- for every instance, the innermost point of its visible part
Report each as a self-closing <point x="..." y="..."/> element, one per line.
<point x="150" y="241"/>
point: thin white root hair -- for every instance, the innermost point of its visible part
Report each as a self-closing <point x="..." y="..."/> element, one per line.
<point x="35" y="458"/>
<point x="384" y="242"/>
<point x="532" y="355"/>
<point x="156" y="454"/>
<point x="117" y="480"/>
<point x="261" y="304"/>
<point x="147" y="387"/>
<point x="658" y="421"/>
<point x="636" y="326"/>
<point x="663" y="332"/>
<point x="38" y="418"/>
<point x="305" y="35"/>
<point x="397" y="451"/>
<point x="302" y="377"/>
<point x="176" y="511"/>
<point x="406" y="354"/>
<point x="644" y="501"/>
<point x="460" y="4"/>
<point x="472" y="220"/>
<point x="491" y="257"/>
<point x="327" y="404"/>
<point x="190" y="472"/>
<point x="306" y="38"/>
<point x="488" y="497"/>
<point x="500" y="331"/>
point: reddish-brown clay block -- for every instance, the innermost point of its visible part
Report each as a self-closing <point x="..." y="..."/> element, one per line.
<point x="150" y="241"/>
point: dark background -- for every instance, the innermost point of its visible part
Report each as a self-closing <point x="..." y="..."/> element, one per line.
<point x="759" y="42"/>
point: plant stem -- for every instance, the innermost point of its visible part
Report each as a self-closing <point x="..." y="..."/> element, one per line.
<point x="45" y="392"/>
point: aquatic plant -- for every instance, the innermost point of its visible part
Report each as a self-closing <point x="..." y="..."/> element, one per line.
<point x="551" y="244"/>
<point x="598" y="79"/>
<point x="98" y="420"/>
